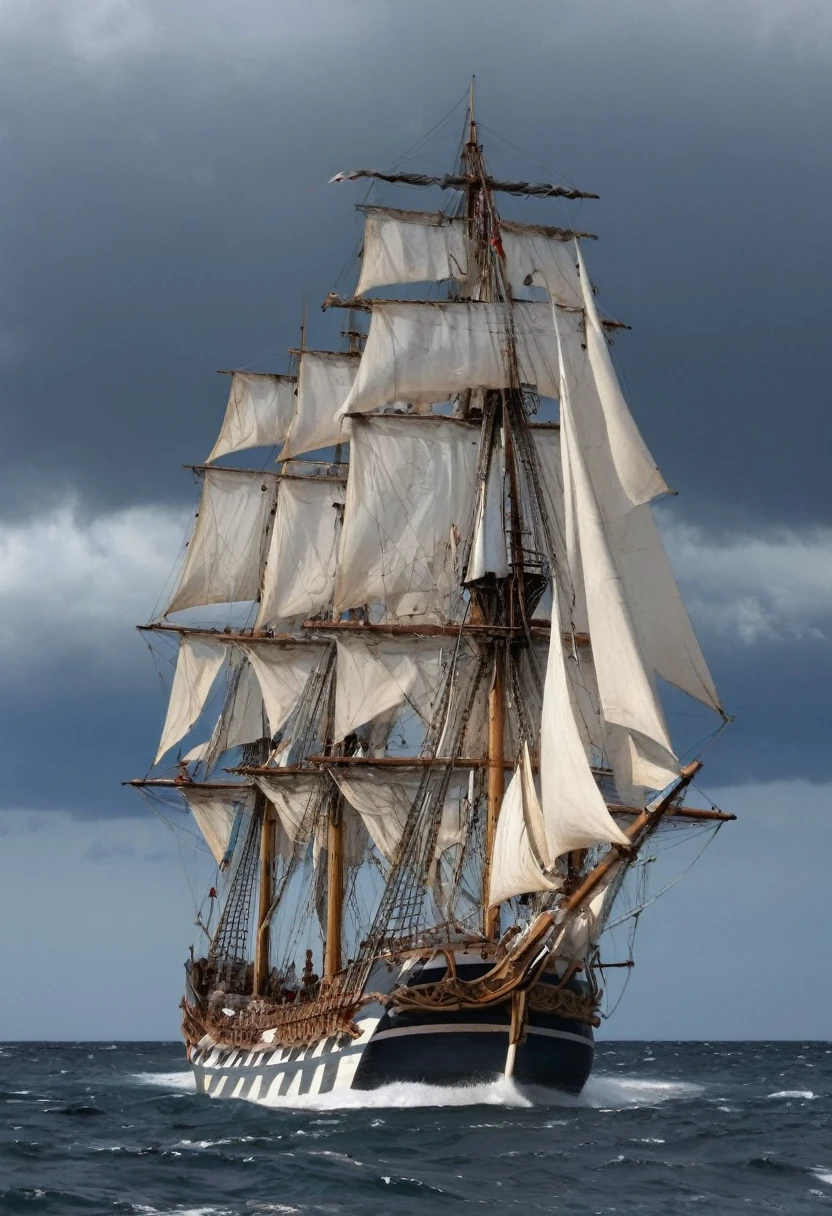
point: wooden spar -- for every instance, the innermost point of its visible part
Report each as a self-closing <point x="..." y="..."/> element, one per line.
<point x="453" y="181"/>
<point x="540" y="629"/>
<point x="495" y="789"/>
<point x="264" y="902"/>
<point x="439" y="220"/>
<point x="334" y="889"/>
<point x="223" y="635"/>
<point x="240" y="371"/>
<point x="361" y="305"/>
<point x="694" y="814"/>
<point x="634" y="831"/>
<point x="224" y="468"/>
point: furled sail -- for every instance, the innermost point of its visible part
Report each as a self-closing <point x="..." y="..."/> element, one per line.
<point x="258" y="413"/>
<point x="636" y="468"/>
<point x="299" y="578"/>
<point x="409" y="506"/>
<point x="324" y="382"/>
<point x="429" y="351"/>
<point x="374" y="677"/>
<point x="587" y="925"/>
<point x="637" y="739"/>
<point x="228" y="545"/>
<point x="216" y="813"/>
<point x="521" y="861"/>
<point x="384" y="800"/>
<point x="197" y="666"/>
<point x="282" y="672"/>
<point x="411" y="247"/>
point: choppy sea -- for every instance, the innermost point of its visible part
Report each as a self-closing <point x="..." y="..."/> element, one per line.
<point x="661" y="1128"/>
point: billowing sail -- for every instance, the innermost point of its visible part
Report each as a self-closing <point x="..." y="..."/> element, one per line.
<point x="409" y="506"/>
<point x="282" y="672"/>
<point x="258" y="413"/>
<point x="638" y="743"/>
<point x="226" y="551"/>
<point x="636" y="468"/>
<point x="489" y="554"/>
<point x="574" y="811"/>
<point x="299" y="578"/>
<point x="411" y="247"/>
<point x="376" y="676"/>
<point x="403" y="247"/>
<point x="521" y="861"/>
<point x="384" y="800"/>
<point x="298" y="800"/>
<point x="197" y="666"/>
<point x="426" y="351"/>
<point x="324" y="382"/>
<point x="216" y="812"/>
<point x="535" y="258"/>
<point x="241" y="720"/>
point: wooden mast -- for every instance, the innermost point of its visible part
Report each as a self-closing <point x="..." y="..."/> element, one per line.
<point x="495" y="788"/>
<point x="334" y="888"/>
<point x="264" y="903"/>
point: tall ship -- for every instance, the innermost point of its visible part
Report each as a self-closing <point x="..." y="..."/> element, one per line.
<point x="418" y="647"/>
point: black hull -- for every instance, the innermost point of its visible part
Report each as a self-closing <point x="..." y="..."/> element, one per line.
<point x="465" y="1048"/>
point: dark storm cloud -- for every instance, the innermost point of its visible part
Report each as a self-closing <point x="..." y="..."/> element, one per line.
<point x="165" y="210"/>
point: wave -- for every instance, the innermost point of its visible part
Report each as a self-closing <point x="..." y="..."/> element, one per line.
<point x="806" y="1094"/>
<point x="179" y="1081"/>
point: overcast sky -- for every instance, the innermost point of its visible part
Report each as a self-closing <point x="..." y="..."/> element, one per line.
<point x="164" y="211"/>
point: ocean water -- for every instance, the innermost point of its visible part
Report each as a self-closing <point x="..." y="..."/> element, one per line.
<point x="661" y="1128"/>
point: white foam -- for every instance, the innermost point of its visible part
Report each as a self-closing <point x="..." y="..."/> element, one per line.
<point x="167" y="1080"/>
<point x="794" y="1093"/>
<point x="822" y="1174"/>
<point x="402" y="1095"/>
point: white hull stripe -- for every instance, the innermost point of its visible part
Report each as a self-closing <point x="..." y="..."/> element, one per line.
<point x="476" y="1028"/>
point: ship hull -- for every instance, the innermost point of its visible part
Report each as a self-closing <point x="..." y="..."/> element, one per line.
<point x="449" y="1049"/>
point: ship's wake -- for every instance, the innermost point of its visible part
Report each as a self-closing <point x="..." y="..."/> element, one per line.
<point x="600" y="1093"/>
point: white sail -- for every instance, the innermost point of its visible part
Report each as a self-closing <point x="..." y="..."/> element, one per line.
<point x="548" y="262"/>
<point x="669" y="644"/>
<point x="384" y="799"/>
<point x="282" y="672"/>
<point x="521" y="858"/>
<point x="636" y="468"/>
<point x="640" y="751"/>
<point x="421" y="351"/>
<point x="226" y="551"/>
<point x="324" y="382"/>
<point x="241" y="720"/>
<point x="574" y="811"/>
<point x="299" y="578"/>
<point x="197" y="665"/>
<point x="215" y="812"/>
<point x="587" y="925"/>
<point x="411" y="247"/>
<point x="409" y="506"/>
<point x="375" y="676"/>
<point x="297" y="798"/>
<point x="428" y="247"/>
<point x="258" y="413"/>
<point x="489" y="554"/>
